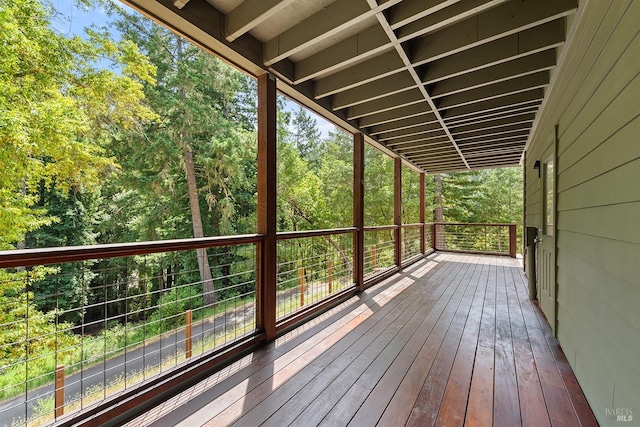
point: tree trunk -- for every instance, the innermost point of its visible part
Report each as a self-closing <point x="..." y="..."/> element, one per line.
<point x="203" y="262"/>
<point x="208" y="290"/>
<point x="438" y="213"/>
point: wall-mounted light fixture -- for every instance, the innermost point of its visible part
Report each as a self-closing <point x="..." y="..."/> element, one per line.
<point x="536" y="166"/>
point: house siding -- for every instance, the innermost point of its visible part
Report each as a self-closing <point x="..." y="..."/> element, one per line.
<point x="595" y="101"/>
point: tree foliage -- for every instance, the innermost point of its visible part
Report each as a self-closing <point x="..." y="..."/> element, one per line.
<point x="57" y="107"/>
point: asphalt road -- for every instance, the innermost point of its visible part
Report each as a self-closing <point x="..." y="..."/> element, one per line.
<point x="124" y="365"/>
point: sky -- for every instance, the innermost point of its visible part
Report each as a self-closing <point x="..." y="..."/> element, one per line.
<point x="70" y="21"/>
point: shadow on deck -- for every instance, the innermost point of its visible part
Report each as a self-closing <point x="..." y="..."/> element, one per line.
<point x="453" y="339"/>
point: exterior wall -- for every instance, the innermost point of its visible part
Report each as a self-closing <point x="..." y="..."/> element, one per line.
<point x="595" y="100"/>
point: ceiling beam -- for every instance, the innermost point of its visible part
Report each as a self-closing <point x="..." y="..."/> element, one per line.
<point x="438" y="158"/>
<point x="251" y="13"/>
<point x="531" y="64"/>
<point x="506" y="161"/>
<point x="509" y="112"/>
<point x="379" y="89"/>
<point x="410" y="122"/>
<point x="503" y="146"/>
<point x="496" y="123"/>
<point x="494" y="142"/>
<point x="507" y="132"/>
<point x="410" y="10"/>
<point x="373" y="41"/>
<point x="496" y="52"/>
<point x="496" y="90"/>
<point x="492" y="105"/>
<point x="381" y="66"/>
<point x="407" y="62"/>
<point x="424" y="24"/>
<point x="434" y="129"/>
<point x="324" y="24"/>
<point x="527" y="42"/>
<point x="501" y="21"/>
<point x="412" y="139"/>
<point x="415" y="110"/>
<point x="444" y="166"/>
<point x="369" y="42"/>
<point x="427" y="148"/>
<point x="386" y="104"/>
<point x="516" y="150"/>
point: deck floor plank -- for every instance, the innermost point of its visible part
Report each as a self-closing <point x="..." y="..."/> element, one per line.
<point x="506" y="406"/>
<point x="427" y="378"/>
<point x="341" y="357"/>
<point x="450" y="340"/>
<point x="532" y="404"/>
<point x="480" y="406"/>
<point x="429" y="336"/>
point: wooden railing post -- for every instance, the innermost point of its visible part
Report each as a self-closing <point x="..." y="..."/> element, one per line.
<point x="266" y="262"/>
<point x="301" y="287"/>
<point x="374" y="257"/>
<point x="512" y="240"/>
<point x="330" y="274"/>
<point x="187" y="334"/>
<point x="433" y="236"/>
<point x="59" y="391"/>
<point x="423" y="231"/>
<point x="358" y="209"/>
<point x="397" y="208"/>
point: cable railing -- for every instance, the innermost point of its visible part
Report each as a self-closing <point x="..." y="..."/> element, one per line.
<point x="93" y="322"/>
<point x="493" y="239"/>
<point x="429" y="242"/>
<point x="312" y="266"/>
<point x="379" y="250"/>
<point x="411" y="240"/>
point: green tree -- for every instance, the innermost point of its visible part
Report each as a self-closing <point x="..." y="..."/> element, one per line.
<point x="410" y="196"/>
<point x="306" y="137"/>
<point x="57" y="107"/>
<point x="193" y="171"/>
<point x="378" y="187"/>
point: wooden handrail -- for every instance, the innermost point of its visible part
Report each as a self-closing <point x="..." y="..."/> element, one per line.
<point x="417" y="224"/>
<point x="380" y="227"/>
<point x="489" y="224"/>
<point x="45" y="256"/>
<point x="288" y="235"/>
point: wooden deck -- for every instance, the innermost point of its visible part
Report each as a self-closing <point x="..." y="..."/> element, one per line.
<point x="451" y="340"/>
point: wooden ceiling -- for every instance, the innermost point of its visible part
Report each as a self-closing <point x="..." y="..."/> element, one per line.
<point x="446" y="84"/>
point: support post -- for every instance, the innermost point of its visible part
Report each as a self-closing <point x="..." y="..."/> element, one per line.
<point x="422" y="213"/>
<point x="433" y="236"/>
<point x="374" y="257"/>
<point x="187" y="334"/>
<point x="397" y="208"/>
<point x="512" y="240"/>
<point x="59" y="391"/>
<point x="358" y="209"/>
<point x="266" y="259"/>
<point x="301" y="287"/>
<point x="330" y="274"/>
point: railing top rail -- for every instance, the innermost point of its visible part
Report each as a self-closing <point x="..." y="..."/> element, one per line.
<point x="380" y="227"/>
<point x="287" y="235"/>
<point x="44" y="256"/>
<point x="416" y="224"/>
<point x="488" y="224"/>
